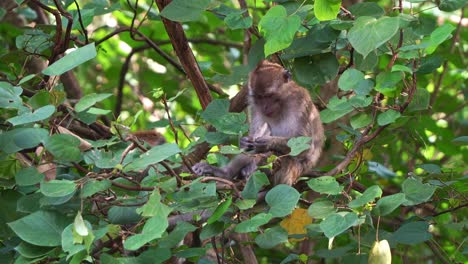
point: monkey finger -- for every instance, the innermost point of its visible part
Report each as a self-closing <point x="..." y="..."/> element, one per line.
<point x="202" y="168"/>
<point x="246" y="143"/>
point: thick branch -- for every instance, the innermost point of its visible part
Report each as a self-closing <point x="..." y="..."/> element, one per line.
<point x="186" y="57"/>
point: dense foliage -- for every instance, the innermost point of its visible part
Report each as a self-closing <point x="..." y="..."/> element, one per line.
<point x="84" y="85"/>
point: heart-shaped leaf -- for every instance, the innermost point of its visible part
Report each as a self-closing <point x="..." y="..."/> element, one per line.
<point x="277" y="20"/>
<point x="336" y="224"/>
<point x="369" y="33"/>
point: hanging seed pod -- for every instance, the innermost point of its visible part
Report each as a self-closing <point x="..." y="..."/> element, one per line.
<point x="380" y="253"/>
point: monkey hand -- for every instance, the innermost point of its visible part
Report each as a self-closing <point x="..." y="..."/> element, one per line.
<point x="247" y="143"/>
<point x="248" y="170"/>
<point x="261" y="144"/>
<point x="202" y="168"/>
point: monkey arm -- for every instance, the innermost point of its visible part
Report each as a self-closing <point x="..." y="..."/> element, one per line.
<point x="241" y="166"/>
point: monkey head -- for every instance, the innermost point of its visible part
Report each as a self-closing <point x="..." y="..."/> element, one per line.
<point x="267" y="88"/>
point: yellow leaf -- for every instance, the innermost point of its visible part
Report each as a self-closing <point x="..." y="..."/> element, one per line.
<point x="296" y="222"/>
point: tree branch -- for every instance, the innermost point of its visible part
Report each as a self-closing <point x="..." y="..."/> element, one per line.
<point x="185" y="55"/>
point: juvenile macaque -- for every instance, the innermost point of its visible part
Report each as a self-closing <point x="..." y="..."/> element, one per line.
<point x="280" y="110"/>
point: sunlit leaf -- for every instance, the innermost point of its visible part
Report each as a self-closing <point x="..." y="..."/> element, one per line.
<point x="277" y="20"/>
<point x="71" y="60"/>
<point x="184" y="11"/>
<point x="369" y="33"/>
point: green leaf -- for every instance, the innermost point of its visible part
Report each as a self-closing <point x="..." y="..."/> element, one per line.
<point x="41" y="228"/>
<point x="460" y="141"/>
<point x="416" y="192"/>
<point x="153" y="156"/>
<point x="229" y="150"/>
<point x="387" y="82"/>
<point x="73" y="243"/>
<point x="79" y="225"/>
<point x="185" y="11"/>
<point x="360" y="101"/>
<point x="326" y="185"/>
<point x="154" y="228"/>
<point x="387" y="204"/>
<point x="57" y="188"/>
<point x="277" y="20"/>
<point x="326" y="9"/>
<point x="98" y="111"/>
<point x="380" y="170"/>
<point x="31" y="251"/>
<point x="232" y="123"/>
<point x="28" y="176"/>
<point x="154" y="206"/>
<point x="102" y="158"/>
<point x="212" y="230"/>
<point x="238" y="21"/>
<point x="420" y="100"/>
<point x="94" y="186"/>
<point x="451" y="5"/>
<point x="317" y="41"/>
<point x="412" y="233"/>
<point x="431" y="168"/>
<point x="238" y="75"/>
<point x="388" y="117"/>
<point x="298" y="145"/>
<point x="366" y="9"/>
<point x="10" y="96"/>
<point x="402" y="68"/>
<point x="123" y="215"/>
<point x="191" y="253"/>
<point x="252" y="225"/>
<point x="177" y="235"/>
<point x="31" y="117"/>
<point x="272" y="237"/>
<point x="439" y="35"/>
<point x="321" y="208"/>
<point x="282" y="199"/>
<point x="215" y="109"/>
<point x="429" y="64"/>
<point x="255" y="182"/>
<point x="217" y="114"/>
<point x="71" y="60"/>
<point x="89" y="100"/>
<point x="328" y="115"/>
<point x="360" y="120"/>
<point x="339" y="104"/>
<point x="245" y="203"/>
<point x="368" y="196"/>
<point x="369" y="33"/>
<point x="154" y="255"/>
<point x="29" y="137"/>
<point x="219" y="211"/>
<point x="350" y="79"/>
<point x="63" y="147"/>
<point x="316" y="70"/>
<point x="337" y="223"/>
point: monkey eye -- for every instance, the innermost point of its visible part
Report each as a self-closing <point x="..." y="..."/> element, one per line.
<point x="286" y="75"/>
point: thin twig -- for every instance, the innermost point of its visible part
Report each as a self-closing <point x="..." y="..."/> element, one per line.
<point x="85" y="32"/>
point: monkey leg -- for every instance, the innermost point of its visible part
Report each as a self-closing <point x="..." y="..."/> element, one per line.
<point x="287" y="171"/>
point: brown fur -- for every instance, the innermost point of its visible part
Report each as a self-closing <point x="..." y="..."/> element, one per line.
<point x="280" y="109"/>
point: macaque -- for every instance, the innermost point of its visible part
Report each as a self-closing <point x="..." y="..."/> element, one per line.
<point x="280" y="109"/>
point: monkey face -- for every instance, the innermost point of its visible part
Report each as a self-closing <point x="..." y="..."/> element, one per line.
<point x="270" y="105"/>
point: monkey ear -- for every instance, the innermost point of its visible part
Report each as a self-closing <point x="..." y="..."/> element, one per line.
<point x="286" y="75"/>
